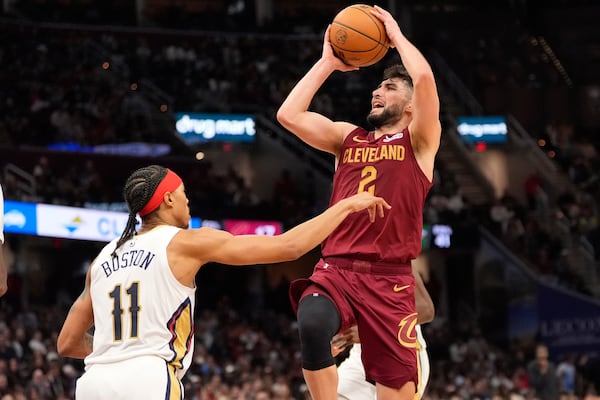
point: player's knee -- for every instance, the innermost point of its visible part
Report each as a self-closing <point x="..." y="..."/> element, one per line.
<point x="318" y="313"/>
<point x="318" y="321"/>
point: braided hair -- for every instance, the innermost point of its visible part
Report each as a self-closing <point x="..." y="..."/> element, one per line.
<point x="138" y="190"/>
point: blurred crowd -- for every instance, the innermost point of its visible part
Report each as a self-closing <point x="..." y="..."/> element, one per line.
<point x="107" y="102"/>
<point x="252" y="356"/>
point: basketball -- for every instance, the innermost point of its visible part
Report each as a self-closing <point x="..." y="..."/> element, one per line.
<point x="358" y="37"/>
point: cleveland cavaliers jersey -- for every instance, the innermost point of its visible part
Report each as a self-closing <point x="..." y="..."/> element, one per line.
<point x="385" y="167"/>
<point x="140" y="308"/>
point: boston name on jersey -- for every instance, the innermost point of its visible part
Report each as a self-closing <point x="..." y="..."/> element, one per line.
<point x="131" y="258"/>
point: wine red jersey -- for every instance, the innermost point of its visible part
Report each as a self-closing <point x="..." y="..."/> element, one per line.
<point x="385" y="167"/>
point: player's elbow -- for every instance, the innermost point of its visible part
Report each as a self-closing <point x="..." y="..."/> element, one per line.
<point x="282" y="116"/>
<point x="62" y="346"/>
<point x="65" y="345"/>
<point x="285" y="117"/>
<point x="294" y="253"/>
<point x="291" y="250"/>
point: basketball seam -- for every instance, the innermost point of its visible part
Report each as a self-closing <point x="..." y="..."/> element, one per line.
<point x="373" y="19"/>
<point x="367" y="63"/>
<point x="362" y="34"/>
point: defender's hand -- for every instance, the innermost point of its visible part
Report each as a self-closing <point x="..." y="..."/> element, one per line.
<point x="344" y="339"/>
<point x="373" y="204"/>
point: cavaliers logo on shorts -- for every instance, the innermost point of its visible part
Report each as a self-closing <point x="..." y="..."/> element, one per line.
<point x="407" y="336"/>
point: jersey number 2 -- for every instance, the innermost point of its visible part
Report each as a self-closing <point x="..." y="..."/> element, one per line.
<point x="367" y="179"/>
<point x="117" y="311"/>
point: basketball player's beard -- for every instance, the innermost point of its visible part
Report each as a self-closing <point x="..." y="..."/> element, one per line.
<point x="388" y="116"/>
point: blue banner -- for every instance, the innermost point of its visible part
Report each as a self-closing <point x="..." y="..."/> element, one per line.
<point x="135" y="149"/>
<point x="50" y="220"/>
<point x="568" y="322"/>
<point x="20" y="217"/>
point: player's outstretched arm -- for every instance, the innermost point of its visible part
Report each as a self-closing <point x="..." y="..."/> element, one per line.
<point x="425" y="126"/>
<point x="210" y="245"/>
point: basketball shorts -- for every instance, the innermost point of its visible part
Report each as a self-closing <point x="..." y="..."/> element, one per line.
<point x="139" y="378"/>
<point x="380" y="300"/>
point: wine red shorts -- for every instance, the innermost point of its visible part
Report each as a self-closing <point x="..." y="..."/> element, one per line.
<point x="380" y="299"/>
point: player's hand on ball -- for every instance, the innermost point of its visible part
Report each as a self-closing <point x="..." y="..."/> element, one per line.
<point x="328" y="55"/>
<point x="391" y="25"/>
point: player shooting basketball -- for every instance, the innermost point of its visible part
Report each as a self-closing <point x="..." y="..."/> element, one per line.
<point x="365" y="277"/>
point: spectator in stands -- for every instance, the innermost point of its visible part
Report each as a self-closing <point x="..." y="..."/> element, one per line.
<point x="537" y="198"/>
<point x="566" y="373"/>
<point x="542" y="375"/>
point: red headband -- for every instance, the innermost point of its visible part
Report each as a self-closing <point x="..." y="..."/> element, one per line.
<point x="170" y="182"/>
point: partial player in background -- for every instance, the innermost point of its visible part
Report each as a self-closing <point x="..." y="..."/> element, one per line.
<point x="3" y="266"/>
<point x="352" y="381"/>
<point x="365" y="274"/>
<point x="139" y="293"/>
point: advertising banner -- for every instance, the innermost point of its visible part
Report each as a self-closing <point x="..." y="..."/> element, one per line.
<point x="20" y="217"/>
<point x="482" y="129"/>
<point x="247" y="227"/>
<point x="67" y="222"/>
<point x="568" y="323"/>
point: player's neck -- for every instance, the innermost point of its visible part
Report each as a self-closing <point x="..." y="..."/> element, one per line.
<point x="389" y="130"/>
<point x="392" y="128"/>
<point x="147" y="226"/>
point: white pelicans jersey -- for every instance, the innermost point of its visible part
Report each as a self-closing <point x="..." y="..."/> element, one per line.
<point x="140" y="308"/>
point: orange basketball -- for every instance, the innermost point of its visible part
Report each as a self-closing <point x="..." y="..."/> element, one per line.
<point x="358" y="37"/>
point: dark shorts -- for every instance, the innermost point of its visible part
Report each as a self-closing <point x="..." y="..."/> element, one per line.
<point x="380" y="299"/>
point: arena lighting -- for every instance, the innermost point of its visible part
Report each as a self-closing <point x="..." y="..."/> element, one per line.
<point x="135" y="149"/>
<point x="441" y="235"/>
